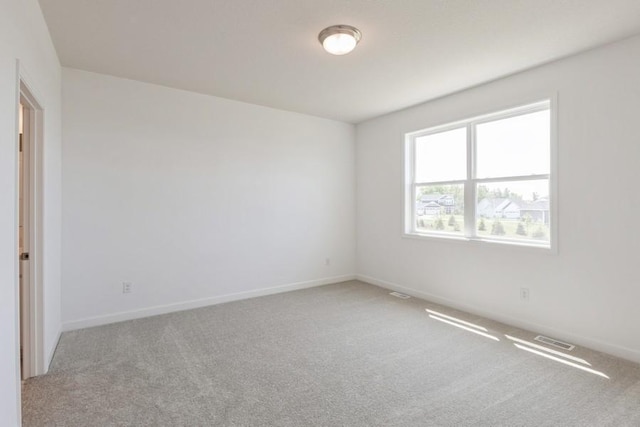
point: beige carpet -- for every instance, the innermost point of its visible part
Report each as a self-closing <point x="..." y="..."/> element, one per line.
<point x="338" y="355"/>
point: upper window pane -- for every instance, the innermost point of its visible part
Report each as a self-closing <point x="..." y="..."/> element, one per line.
<point x="442" y="156"/>
<point x="515" y="146"/>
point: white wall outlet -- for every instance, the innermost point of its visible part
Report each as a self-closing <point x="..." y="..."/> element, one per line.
<point x="327" y="262"/>
<point x="127" y="287"/>
<point x="524" y="294"/>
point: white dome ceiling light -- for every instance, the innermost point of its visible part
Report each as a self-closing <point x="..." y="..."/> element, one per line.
<point x="339" y="39"/>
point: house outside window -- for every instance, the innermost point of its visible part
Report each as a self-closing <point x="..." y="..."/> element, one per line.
<point x="488" y="178"/>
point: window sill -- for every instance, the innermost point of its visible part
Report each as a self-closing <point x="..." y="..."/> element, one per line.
<point x="509" y="244"/>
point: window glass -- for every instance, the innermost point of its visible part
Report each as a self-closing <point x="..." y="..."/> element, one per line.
<point x="514" y="146"/>
<point x="440" y="208"/>
<point x="513" y="210"/>
<point x="442" y="156"/>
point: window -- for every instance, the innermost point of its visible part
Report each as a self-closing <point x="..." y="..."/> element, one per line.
<point x="486" y="178"/>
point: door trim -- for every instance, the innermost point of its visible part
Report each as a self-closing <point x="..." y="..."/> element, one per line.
<point x="29" y="99"/>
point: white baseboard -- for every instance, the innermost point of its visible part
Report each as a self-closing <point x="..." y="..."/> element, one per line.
<point x="203" y="302"/>
<point x="605" y="347"/>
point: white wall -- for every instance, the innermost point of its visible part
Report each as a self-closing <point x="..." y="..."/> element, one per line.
<point x="588" y="293"/>
<point x="24" y="37"/>
<point x="196" y="199"/>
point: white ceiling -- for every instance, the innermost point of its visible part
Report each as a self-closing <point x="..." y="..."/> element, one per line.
<point x="266" y="52"/>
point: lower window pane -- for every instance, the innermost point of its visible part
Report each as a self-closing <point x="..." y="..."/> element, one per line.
<point x="517" y="210"/>
<point x="440" y="209"/>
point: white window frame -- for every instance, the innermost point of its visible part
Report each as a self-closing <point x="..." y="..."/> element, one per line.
<point x="470" y="183"/>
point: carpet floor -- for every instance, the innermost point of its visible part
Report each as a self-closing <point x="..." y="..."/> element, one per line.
<point x="347" y="354"/>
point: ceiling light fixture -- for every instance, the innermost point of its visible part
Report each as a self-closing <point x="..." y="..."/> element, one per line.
<point x="339" y="39"/>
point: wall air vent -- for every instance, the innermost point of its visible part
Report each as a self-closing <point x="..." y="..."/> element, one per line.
<point x="399" y="295"/>
<point x="555" y="343"/>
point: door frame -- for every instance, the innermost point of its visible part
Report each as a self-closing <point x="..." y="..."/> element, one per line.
<point x="34" y="119"/>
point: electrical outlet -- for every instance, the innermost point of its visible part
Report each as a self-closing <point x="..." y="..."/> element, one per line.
<point x="127" y="287"/>
<point x="524" y="294"/>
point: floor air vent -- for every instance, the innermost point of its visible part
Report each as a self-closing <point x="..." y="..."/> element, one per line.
<point x="555" y="343"/>
<point x="399" y="295"/>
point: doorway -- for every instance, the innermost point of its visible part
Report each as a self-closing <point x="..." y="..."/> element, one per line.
<point x="29" y="233"/>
